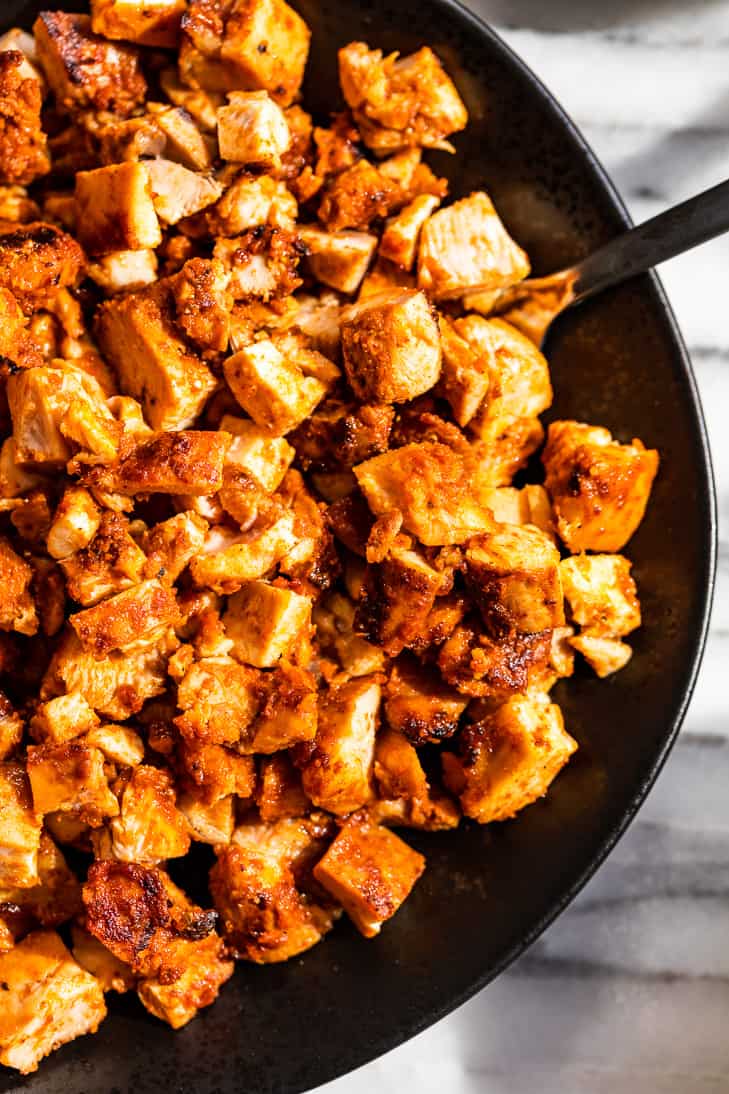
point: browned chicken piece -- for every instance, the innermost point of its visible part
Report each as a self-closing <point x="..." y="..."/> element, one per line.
<point x="357" y="196"/>
<point x="17" y="608"/>
<point x="466" y="248"/>
<point x="20" y="830"/>
<point x="11" y="727"/>
<point x="265" y="623"/>
<point x="478" y="665"/>
<point x="178" y="192"/>
<point x="115" y="209"/>
<point x="211" y="773"/>
<point x="50" y="594"/>
<point x="399" y="242"/>
<point x="396" y="598"/>
<point x="57" y="896"/>
<point x="84" y="71"/>
<point x="31" y="517"/>
<point x="208" y="823"/>
<point x="441" y="493"/>
<point x="319" y="319"/>
<point x="252" y="129"/>
<point x="262" y="263"/>
<point x="274" y="391"/>
<point x="385" y="277"/>
<point x="419" y="705"/>
<point x="400" y="103"/>
<point x="334" y="618"/>
<point x="467" y="369"/>
<point x="36" y="260"/>
<point x="297" y="347"/>
<point x="16" y="342"/>
<point x="111" y="973"/>
<point x="339" y="435"/>
<point x="252" y="201"/>
<point x="137" y="334"/>
<point x="123" y="271"/>
<point x="203" y="303"/>
<point x="337" y="147"/>
<point x="171" y="544"/>
<point x="405" y="795"/>
<point x="120" y="744"/>
<point x="23" y="144"/>
<point x="504" y="446"/>
<point x="391" y="347"/>
<point x="254" y="450"/>
<point x="513" y="575"/>
<point x="520" y="384"/>
<point x="146" y="22"/>
<point x="288" y="711"/>
<point x="258" y="888"/>
<point x="189" y="462"/>
<point x="528" y="505"/>
<point x="135" y="616"/>
<point x="245" y="501"/>
<point x="509" y="759"/>
<point x="251" y="44"/>
<point x="602" y="598"/>
<point x="414" y="177"/>
<point x="71" y="778"/>
<point x="219" y="698"/>
<point x="198" y="104"/>
<point x="279" y="792"/>
<point x="599" y="488"/>
<point x="338" y="259"/>
<point x="229" y="559"/>
<point x="337" y="768"/>
<point x="370" y="871"/>
<point x="124" y="139"/>
<point x="183" y="140"/>
<point x="63" y="718"/>
<point x="149" y="828"/>
<point x="49" y="1000"/>
<point x="170" y="943"/>
<point x="14" y="479"/>
<point x="75" y="523"/>
<point x="17" y="205"/>
<point x="111" y="563"/>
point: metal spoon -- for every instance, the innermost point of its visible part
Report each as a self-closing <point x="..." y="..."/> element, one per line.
<point x="538" y="301"/>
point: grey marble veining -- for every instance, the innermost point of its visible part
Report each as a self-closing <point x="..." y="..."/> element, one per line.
<point x="628" y="992"/>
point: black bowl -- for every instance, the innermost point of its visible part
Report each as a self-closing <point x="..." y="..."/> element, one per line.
<point x="487" y="892"/>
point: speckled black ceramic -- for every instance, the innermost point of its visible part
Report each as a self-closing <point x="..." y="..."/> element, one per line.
<point x="488" y="892"/>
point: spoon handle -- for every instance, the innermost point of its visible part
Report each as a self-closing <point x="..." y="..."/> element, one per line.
<point x="669" y="234"/>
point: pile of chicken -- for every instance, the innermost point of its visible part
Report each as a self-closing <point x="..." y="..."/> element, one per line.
<point x="266" y="584"/>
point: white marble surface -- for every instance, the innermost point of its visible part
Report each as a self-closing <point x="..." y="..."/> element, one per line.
<point x="628" y="992"/>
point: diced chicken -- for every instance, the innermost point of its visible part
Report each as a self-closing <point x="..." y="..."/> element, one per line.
<point x="198" y="104"/>
<point x="604" y="655"/>
<point x="136" y="615"/>
<point x="63" y="718"/>
<point x="357" y="196"/>
<point x="520" y="384"/>
<point x="262" y="263"/>
<point x="115" y="210"/>
<point x="146" y="22"/>
<point x="391" y="347"/>
<point x="205" y="968"/>
<point x="339" y="435"/>
<point x="601" y="594"/>
<point x="149" y="828"/>
<point x="265" y="623"/>
<point x="413" y="177"/>
<point x="319" y="320"/>
<point x="257" y="887"/>
<point x="441" y="493"/>
<point x="71" y="778"/>
<point x="36" y="261"/>
<point x="17" y="607"/>
<point x="84" y="71"/>
<point x="57" y="896"/>
<point x="599" y="488"/>
<point x="183" y="140"/>
<point x="253" y="130"/>
<point x="16" y="342"/>
<point x="337" y="770"/>
<point x="14" y="480"/>
<point x="75" y="523"/>
<point x="279" y="792"/>
<point x="123" y="271"/>
<point x="467" y="369"/>
<point x="177" y="192"/>
<point x="509" y="759"/>
<point x="111" y="563"/>
<point x="203" y="303"/>
<point x="385" y="277"/>
<point x="208" y="823"/>
<point x="120" y="744"/>
<point x="513" y="574"/>
<point x="23" y="144"/>
<point x="138" y="335"/>
<point x="419" y="705"/>
<point x="189" y="462"/>
<point x="229" y="560"/>
<point x="49" y="1000"/>
<point x="370" y="871"/>
<point x="466" y="248"/>
<point x="478" y="665"/>
<point x="335" y="619"/>
<point x="405" y="795"/>
<point x="288" y="711"/>
<point x="211" y="773"/>
<point x="338" y="259"/>
<point x="124" y="139"/>
<point x="264" y="457"/>
<point x="399" y="242"/>
<point x="111" y="973"/>
<point x="399" y="104"/>
<point x="274" y="391"/>
<point x="219" y="698"/>
<point x="11" y="727"/>
<point x="528" y="505"/>
<point x="171" y="544"/>
<point x="20" y="830"/>
<point x="396" y="598"/>
<point x="504" y="445"/>
<point x="251" y="44"/>
<point x="253" y="201"/>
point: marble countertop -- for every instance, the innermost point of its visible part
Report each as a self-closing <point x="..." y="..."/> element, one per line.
<point x="628" y="992"/>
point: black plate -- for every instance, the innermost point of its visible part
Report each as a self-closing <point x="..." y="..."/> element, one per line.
<point x="487" y="893"/>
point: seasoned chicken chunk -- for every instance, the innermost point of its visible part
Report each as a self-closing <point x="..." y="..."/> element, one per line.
<point x="71" y="778"/>
<point x="229" y="559"/>
<point x="49" y="1000"/>
<point x="17" y="607"/>
<point x="370" y="871"/>
<point x="57" y="896"/>
<point x="604" y="655"/>
<point x="75" y="523"/>
<point x="208" y="823"/>
<point x="137" y="615"/>
<point x="189" y="463"/>
<point x="115" y="210"/>
<point x="419" y="705"/>
<point x="211" y="773"/>
<point x="149" y="828"/>
<point x="334" y="618"/>
<point x="400" y="103"/>
<point x="23" y="144"/>
<point x="262" y="263"/>
<point x="601" y="594"/>
<point x="11" y="727"/>
<point x="466" y="248"/>
<point x="504" y="445"/>
<point x="396" y="598"/>
<point x="466" y="372"/>
<point x="252" y="201"/>
<point x="357" y="196"/>
<point x="399" y="242"/>
<point x="178" y="192"/>
<point x="599" y="488"/>
<point x="520" y="384"/>
<point x="405" y="795"/>
<point x="509" y="759"/>
<point x="20" y="830"/>
<point x="274" y="391"/>
<point x="84" y="71"/>
<point x="252" y="129"/>
<point x="120" y="744"/>
<point x="146" y="22"/>
<point x="122" y="271"/>
<point x="391" y="347"/>
<point x="138" y="335"/>
<point x="63" y="718"/>
<point x="203" y="303"/>
<point x="261" y="455"/>
<point x="279" y="792"/>
<point x="36" y="260"/>
<point x="111" y="974"/>
<point x="476" y="664"/>
<point x="528" y="505"/>
<point x="288" y="711"/>
<point x="265" y="623"/>
<point x="338" y="259"/>
<point x="16" y="342"/>
<point x="171" y="544"/>
<point x="111" y="563"/>
<point x="219" y="699"/>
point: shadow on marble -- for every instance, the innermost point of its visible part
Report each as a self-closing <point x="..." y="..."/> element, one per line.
<point x="566" y="15"/>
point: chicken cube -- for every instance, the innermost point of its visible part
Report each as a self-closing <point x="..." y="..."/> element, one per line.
<point x="49" y="1000"/>
<point x="17" y="609"/>
<point x="23" y="144"/>
<point x="288" y="712"/>
<point x="337" y="769"/>
<point x="262" y="263"/>
<point x="136" y="615"/>
<point x="16" y="342"/>
<point x="63" y="718"/>
<point x="271" y="389"/>
<point x="385" y="277"/>
<point x="253" y="130"/>
<point x="75" y="523"/>
<point x="36" y="261"/>
<point x="219" y="698"/>
<point x="334" y="620"/>
<point x="208" y="822"/>
<point x="228" y="560"/>
<point x="253" y="201"/>
<point x="146" y="22"/>
<point x="203" y="303"/>
<point x="339" y="435"/>
<point x="265" y="623"/>
<point x="357" y="196"/>
<point x="338" y="259"/>
<point x="279" y="792"/>
<point x="440" y="493"/>
<point x="189" y="462"/>
<point x="264" y="457"/>
<point x="396" y="598"/>
<point x="11" y="727"/>
<point x="504" y="445"/>
<point x="111" y="973"/>
<point x="599" y="488"/>
<point x="211" y="773"/>
<point x="391" y="347"/>
<point x="476" y="664"/>
<point x="149" y="828"/>
<point x="57" y="896"/>
<point x="405" y="795"/>
<point x="520" y="384"/>
<point x="115" y="209"/>
<point x="124" y="271"/>
<point x="70" y="778"/>
<point x="126" y="139"/>
<point x="171" y="544"/>
<point x="419" y="705"/>
<point x="138" y="336"/>
<point x="400" y="103"/>
<point x="111" y="563"/>
<point x="84" y="71"/>
<point x="120" y="744"/>
<point x="205" y="968"/>
<point x="604" y="655"/>
<point x="198" y="104"/>
<point x="509" y="759"/>
<point x="513" y="574"/>
<point x="528" y="505"/>
<point x="601" y="594"/>
<point x="466" y="372"/>
<point x="318" y="319"/>
<point x="20" y="830"/>
<point x="465" y="248"/>
<point x="370" y="871"/>
<point x="176" y="192"/>
<point x="399" y="242"/>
